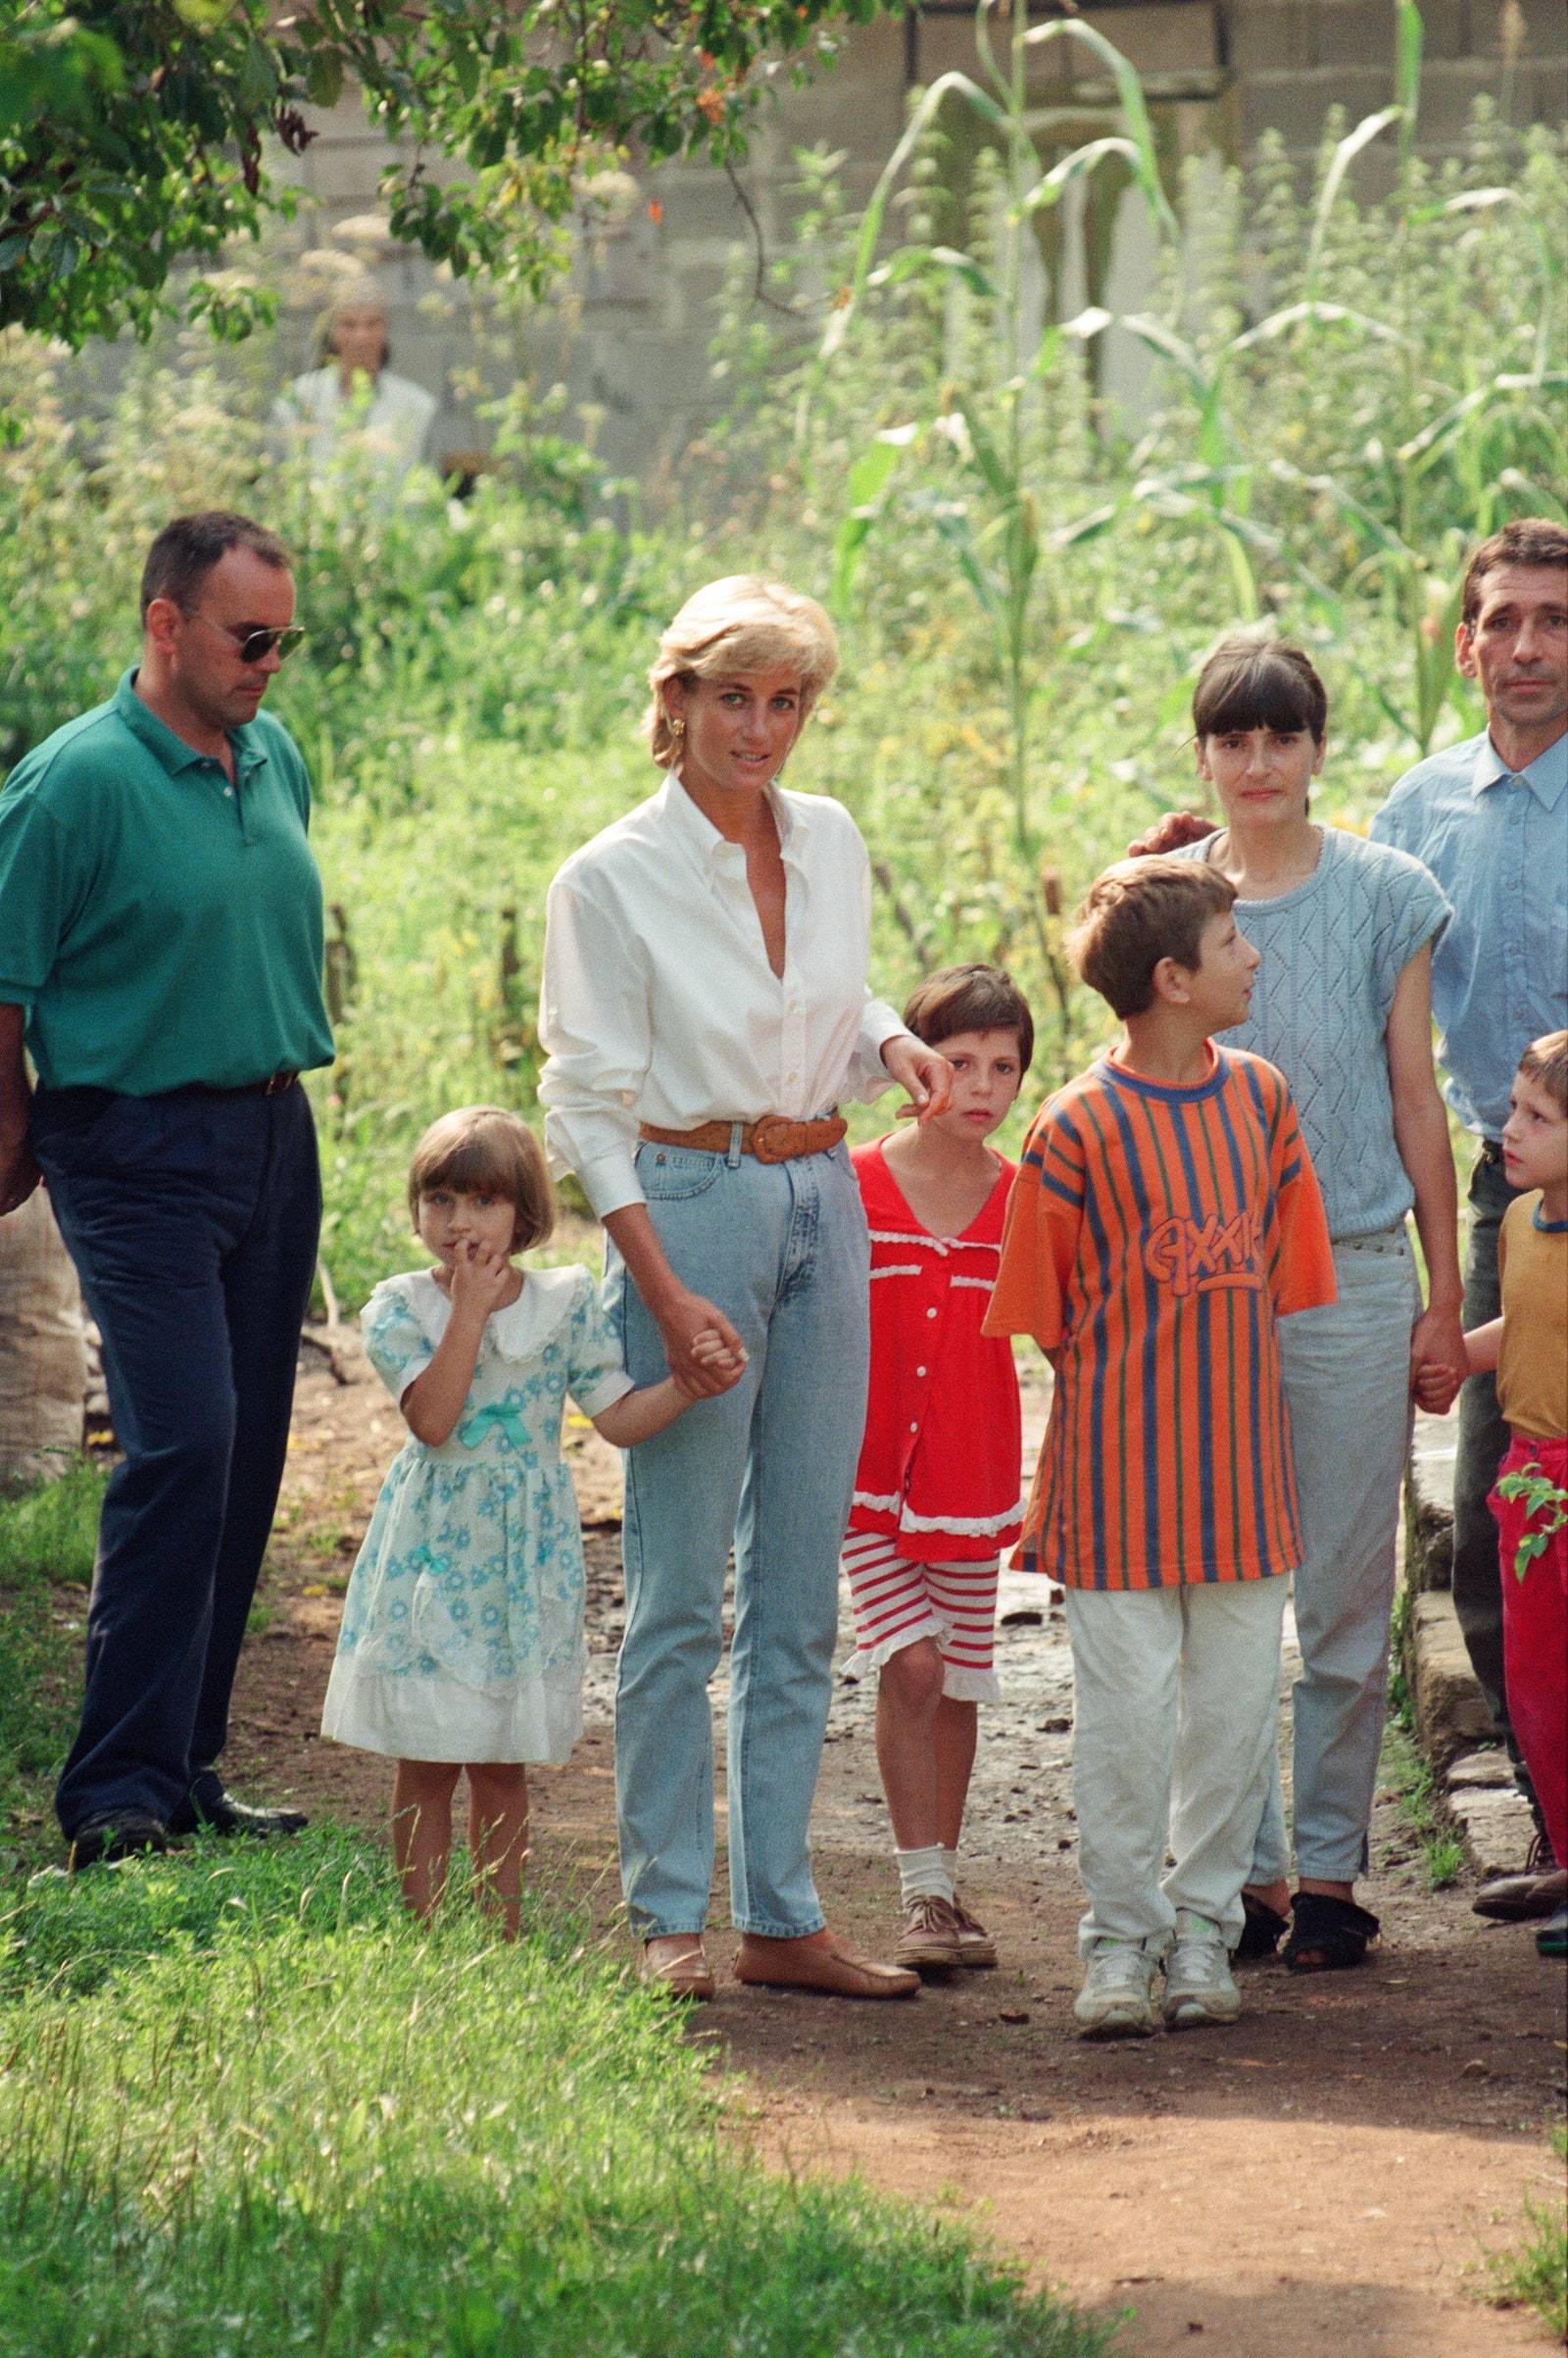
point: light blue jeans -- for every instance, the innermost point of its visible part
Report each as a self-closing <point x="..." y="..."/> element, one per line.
<point x="782" y="1249"/>
<point x="1347" y="1384"/>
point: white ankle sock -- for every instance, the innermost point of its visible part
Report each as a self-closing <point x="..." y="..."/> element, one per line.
<point x="950" y="1859"/>
<point x="924" y="1873"/>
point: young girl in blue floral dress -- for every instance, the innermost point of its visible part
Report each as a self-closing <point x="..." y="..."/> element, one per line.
<point x="462" y="1646"/>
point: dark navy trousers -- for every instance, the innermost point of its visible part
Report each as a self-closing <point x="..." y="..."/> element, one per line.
<point x="193" y="1222"/>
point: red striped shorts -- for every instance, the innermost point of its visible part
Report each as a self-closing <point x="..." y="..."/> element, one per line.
<point x="898" y="1602"/>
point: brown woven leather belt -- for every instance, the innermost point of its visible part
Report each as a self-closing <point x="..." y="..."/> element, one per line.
<point x="773" y="1139"/>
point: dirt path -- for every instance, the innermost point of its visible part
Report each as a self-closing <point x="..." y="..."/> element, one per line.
<point x="1323" y="2180"/>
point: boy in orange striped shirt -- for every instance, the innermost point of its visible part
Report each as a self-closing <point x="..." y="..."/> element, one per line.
<point x="1165" y="1215"/>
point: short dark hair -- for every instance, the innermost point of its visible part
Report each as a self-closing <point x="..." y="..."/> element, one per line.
<point x="187" y="549"/>
<point x="1545" y="1061"/>
<point x="1137" y="913"/>
<point x="1255" y="683"/>
<point x="1527" y="540"/>
<point x="970" y="998"/>
<point x="486" y="1147"/>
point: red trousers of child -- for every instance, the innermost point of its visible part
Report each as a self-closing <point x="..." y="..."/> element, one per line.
<point x="1534" y="1637"/>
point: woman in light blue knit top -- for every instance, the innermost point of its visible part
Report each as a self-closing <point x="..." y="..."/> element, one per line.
<point x="1342" y="1005"/>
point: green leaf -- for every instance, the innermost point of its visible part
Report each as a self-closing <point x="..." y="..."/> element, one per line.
<point x="1130" y="92"/>
<point x="323" y="77"/>
<point x="1369" y="129"/>
<point x="944" y="86"/>
<point x="1409" y="35"/>
<point x="1061" y="176"/>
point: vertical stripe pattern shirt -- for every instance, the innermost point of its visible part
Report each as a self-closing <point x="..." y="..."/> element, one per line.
<point x="1154" y="1237"/>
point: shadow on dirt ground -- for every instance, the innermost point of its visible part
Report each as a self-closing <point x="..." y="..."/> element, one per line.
<point x="1325" y="2177"/>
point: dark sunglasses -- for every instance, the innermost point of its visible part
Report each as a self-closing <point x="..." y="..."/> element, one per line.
<point x="254" y="642"/>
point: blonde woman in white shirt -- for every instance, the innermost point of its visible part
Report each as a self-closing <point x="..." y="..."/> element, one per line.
<point x="706" y="1010"/>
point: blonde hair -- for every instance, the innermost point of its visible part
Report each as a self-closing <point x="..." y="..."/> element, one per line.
<point x="483" y="1147"/>
<point x="1137" y="913"/>
<point x="741" y="623"/>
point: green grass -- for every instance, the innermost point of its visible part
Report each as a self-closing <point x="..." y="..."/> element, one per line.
<point x="1535" y="2274"/>
<point x="1442" y="1856"/>
<point x="247" y="2108"/>
<point x="47" y="1540"/>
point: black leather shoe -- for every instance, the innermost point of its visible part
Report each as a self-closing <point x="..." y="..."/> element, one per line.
<point x="115" y="1834"/>
<point x="208" y="1806"/>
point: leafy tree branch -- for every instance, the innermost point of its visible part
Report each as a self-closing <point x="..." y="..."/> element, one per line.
<point x="134" y="135"/>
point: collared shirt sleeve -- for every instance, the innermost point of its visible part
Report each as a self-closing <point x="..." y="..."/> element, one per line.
<point x="868" y="1076"/>
<point x="36" y="895"/>
<point x="594" y="1024"/>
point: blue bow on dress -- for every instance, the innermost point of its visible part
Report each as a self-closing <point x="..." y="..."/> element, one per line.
<point x="504" y="1415"/>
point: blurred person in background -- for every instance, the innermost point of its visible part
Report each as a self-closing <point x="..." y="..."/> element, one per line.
<point x="354" y="398"/>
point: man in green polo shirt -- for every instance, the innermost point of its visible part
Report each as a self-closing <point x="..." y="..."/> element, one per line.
<point x="161" y="964"/>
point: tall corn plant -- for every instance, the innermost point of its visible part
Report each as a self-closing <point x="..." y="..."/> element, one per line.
<point x="1438" y="430"/>
<point x="996" y="532"/>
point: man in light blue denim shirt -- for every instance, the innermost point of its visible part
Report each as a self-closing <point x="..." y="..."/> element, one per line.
<point x="1489" y="818"/>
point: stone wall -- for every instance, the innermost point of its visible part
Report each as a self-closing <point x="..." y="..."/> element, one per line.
<point x="629" y="334"/>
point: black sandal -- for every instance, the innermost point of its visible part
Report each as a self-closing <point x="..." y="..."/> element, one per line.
<point x="1329" y="1934"/>
<point x="1261" y="1932"/>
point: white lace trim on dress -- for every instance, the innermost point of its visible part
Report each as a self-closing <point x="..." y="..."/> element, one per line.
<point x="969" y="1527"/>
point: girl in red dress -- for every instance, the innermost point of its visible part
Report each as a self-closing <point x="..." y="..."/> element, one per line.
<point x="937" y="1491"/>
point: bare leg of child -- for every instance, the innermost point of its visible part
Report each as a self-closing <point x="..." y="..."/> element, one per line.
<point x="498" y="1837"/>
<point x="908" y="1703"/>
<point x="909" y="1708"/>
<point x="957" y="1730"/>
<point x="421" y="1830"/>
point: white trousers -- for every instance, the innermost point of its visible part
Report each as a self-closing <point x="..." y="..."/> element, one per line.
<point x="1175" y="1696"/>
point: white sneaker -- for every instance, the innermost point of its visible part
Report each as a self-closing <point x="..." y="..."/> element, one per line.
<point x="1117" y="1998"/>
<point x="1199" y="1987"/>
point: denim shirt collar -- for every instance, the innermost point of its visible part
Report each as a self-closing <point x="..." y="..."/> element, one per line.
<point x="1546" y="775"/>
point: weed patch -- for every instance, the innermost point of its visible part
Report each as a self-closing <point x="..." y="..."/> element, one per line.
<point x="1535" y="2274"/>
<point x="1420" y="1798"/>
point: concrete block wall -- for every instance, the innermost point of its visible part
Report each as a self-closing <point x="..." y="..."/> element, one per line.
<point x="630" y="332"/>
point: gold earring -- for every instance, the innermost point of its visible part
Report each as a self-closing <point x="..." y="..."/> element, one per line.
<point x="677" y="727"/>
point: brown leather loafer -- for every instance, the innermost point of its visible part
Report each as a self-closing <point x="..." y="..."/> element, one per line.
<point x="687" y="1974"/>
<point x="1520" y="1898"/>
<point x="831" y="1967"/>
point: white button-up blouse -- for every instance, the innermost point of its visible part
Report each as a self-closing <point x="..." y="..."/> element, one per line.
<point x="659" y="1004"/>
